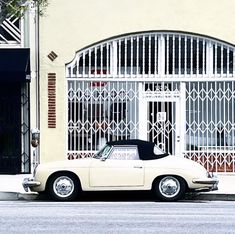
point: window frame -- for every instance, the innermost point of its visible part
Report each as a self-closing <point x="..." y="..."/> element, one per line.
<point x="133" y="147"/>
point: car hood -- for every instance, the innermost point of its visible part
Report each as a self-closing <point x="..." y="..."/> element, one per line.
<point x="83" y="162"/>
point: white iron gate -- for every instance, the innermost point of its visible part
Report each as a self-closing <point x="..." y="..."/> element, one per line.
<point x="176" y="90"/>
<point x="160" y="123"/>
<point x="210" y="124"/>
<point x="99" y="112"/>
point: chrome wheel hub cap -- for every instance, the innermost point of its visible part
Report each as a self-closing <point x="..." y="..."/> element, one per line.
<point x="63" y="186"/>
<point x="169" y="186"/>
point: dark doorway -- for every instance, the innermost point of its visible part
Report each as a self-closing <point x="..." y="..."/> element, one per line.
<point x="10" y="128"/>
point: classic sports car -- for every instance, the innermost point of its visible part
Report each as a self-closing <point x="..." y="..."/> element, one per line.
<point x="122" y="165"/>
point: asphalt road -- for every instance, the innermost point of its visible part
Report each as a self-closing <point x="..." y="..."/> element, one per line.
<point x="117" y="217"/>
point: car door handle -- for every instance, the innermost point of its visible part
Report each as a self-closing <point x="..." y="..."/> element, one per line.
<point x="140" y="167"/>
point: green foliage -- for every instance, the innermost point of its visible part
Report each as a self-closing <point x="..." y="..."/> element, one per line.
<point x="19" y="7"/>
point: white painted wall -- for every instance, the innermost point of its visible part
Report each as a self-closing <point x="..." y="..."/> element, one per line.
<point x="69" y="26"/>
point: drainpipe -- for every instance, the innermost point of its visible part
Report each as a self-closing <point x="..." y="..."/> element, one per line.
<point x="36" y="150"/>
<point x="38" y="76"/>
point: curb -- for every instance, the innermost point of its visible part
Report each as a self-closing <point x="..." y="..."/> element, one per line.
<point x="9" y="196"/>
<point x="15" y="196"/>
<point x="215" y="197"/>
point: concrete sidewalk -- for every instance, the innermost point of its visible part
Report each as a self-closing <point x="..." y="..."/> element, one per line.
<point x="225" y="192"/>
<point x="11" y="189"/>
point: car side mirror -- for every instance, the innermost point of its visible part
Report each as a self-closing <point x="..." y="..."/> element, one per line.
<point x="103" y="159"/>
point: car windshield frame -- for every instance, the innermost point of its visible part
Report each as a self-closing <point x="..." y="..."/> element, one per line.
<point x="104" y="152"/>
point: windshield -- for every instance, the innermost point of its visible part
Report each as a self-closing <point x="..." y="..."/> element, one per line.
<point x="103" y="152"/>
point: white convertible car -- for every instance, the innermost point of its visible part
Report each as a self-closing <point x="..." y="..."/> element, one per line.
<point x="122" y="165"/>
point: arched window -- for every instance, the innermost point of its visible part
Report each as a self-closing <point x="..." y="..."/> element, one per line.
<point x="155" y="55"/>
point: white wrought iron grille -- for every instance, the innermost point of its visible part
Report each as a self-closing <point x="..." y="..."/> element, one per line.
<point x="210" y="126"/>
<point x="154" y="55"/>
<point x="161" y="125"/>
<point x="11" y="31"/>
<point x="176" y="90"/>
<point x="98" y="112"/>
<point x="160" y="98"/>
<point x="25" y="129"/>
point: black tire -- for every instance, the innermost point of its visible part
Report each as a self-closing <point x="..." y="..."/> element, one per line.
<point x="63" y="187"/>
<point x="169" y="188"/>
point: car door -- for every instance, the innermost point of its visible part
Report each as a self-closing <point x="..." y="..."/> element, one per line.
<point x="122" y="168"/>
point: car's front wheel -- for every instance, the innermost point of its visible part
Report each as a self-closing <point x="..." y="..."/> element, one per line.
<point x="169" y="188"/>
<point x="63" y="187"/>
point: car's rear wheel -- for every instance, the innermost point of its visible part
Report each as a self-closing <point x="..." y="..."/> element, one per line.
<point x="63" y="187"/>
<point x="169" y="188"/>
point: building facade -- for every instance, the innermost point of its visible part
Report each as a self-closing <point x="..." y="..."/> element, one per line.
<point x="155" y="70"/>
<point x="17" y="81"/>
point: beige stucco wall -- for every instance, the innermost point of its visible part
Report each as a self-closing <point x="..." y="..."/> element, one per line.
<point x="69" y="26"/>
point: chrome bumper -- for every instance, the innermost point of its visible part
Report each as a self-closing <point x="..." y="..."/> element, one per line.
<point x="28" y="183"/>
<point x="211" y="182"/>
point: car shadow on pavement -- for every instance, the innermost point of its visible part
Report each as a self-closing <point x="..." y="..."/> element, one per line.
<point x="122" y="196"/>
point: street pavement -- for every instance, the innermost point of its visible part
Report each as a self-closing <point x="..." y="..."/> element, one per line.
<point x="117" y="217"/>
<point x="11" y="189"/>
